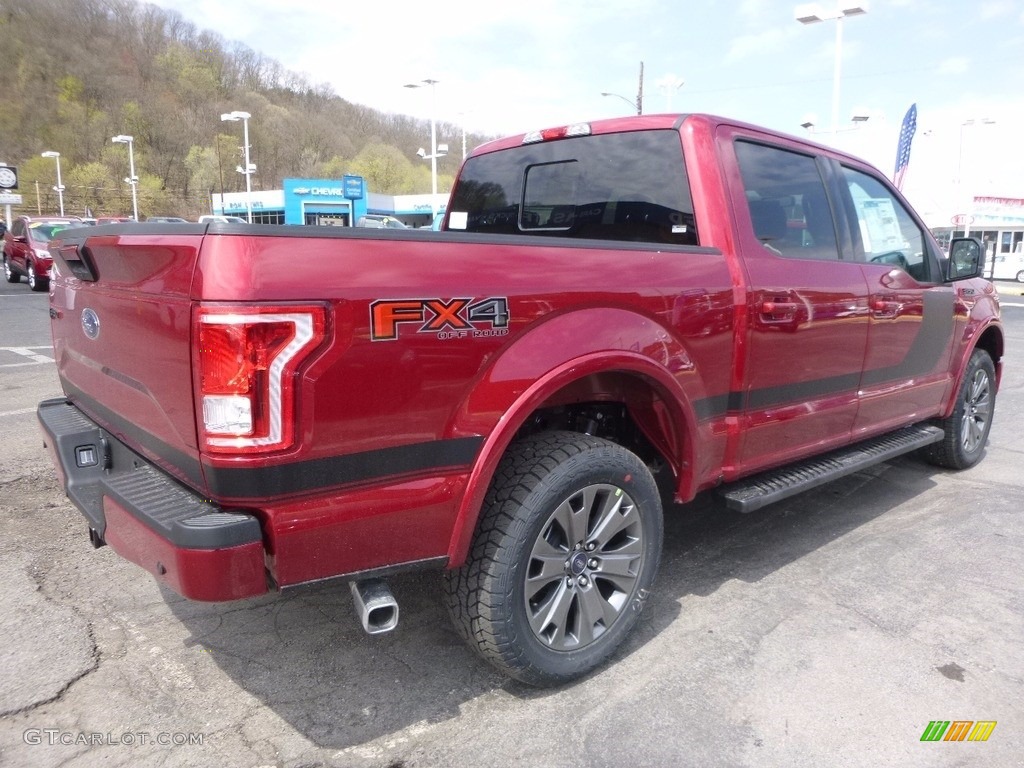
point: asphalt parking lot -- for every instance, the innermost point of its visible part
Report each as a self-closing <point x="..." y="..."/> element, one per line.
<point x="829" y="629"/>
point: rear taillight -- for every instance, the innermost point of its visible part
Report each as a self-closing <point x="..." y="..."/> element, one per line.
<point x="247" y="360"/>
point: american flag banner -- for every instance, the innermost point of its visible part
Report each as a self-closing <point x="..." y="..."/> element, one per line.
<point x="903" y="150"/>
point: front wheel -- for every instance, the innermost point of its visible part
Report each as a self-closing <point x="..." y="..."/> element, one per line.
<point x="1020" y="276"/>
<point x="35" y="282"/>
<point x="968" y="426"/>
<point x="564" y="557"/>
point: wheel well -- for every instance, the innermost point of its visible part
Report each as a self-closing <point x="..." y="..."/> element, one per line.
<point x="623" y="408"/>
<point x="992" y="342"/>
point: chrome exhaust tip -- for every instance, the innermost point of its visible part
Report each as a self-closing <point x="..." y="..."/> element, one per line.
<point x="376" y="606"/>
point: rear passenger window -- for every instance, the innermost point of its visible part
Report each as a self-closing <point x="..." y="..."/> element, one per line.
<point x="886" y="231"/>
<point x="789" y="209"/>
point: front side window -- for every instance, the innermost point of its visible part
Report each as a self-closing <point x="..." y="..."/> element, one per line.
<point x="888" y="233"/>
<point x="620" y="186"/>
<point x="789" y="209"/>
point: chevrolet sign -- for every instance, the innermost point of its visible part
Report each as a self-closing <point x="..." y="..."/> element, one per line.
<point x="326" y="191"/>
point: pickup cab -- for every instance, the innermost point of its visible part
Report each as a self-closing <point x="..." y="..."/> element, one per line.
<point x="615" y="314"/>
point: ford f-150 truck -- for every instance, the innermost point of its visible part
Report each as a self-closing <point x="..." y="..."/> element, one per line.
<point x="614" y="314"/>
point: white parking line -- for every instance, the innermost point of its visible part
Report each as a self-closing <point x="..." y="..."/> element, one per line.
<point x="34" y="357"/>
<point x="1009" y="304"/>
<point x="19" y="412"/>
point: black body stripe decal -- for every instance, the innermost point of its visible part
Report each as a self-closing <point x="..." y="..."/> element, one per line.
<point x="934" y="332"/>
<point x="337" y="470"/>
<point x="296" y="477"/>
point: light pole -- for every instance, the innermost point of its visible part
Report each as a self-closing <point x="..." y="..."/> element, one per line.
<point x="857" y="122"/>
<point x="968" y="205"/>
<point x="670" y="84"/>
<point x="132" y="178"/>
<point x="234" y="117"/>
<point x="59" y="189"/>
<point x="435" y="150"/>
<point x="812" y="14"/>
<point x="638" y="105"/>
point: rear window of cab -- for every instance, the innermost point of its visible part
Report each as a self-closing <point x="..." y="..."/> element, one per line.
<point x="620" y="186"/>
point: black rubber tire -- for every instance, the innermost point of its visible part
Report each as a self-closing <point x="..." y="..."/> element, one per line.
<point x="1020" y="276"/>
<point x="10" y="274"/>
<point x="487" y="597"/>
<point x="36" y="283"/>
<point x="968" y="426"/>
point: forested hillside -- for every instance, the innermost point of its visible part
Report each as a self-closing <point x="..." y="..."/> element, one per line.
<point x="74" y="73"/>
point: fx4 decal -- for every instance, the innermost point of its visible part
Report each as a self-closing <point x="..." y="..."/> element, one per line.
<point x="447" y="318"/>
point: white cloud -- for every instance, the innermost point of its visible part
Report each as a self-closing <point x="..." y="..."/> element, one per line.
<point x="996" y="8"/>
<point x="767" y="41"/>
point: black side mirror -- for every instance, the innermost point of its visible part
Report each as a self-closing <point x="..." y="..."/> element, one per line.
<point x="966" y="259"/>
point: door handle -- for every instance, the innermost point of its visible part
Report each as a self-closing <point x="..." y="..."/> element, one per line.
<point x="778" y="307"/>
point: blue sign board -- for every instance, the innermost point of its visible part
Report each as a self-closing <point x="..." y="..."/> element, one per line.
<point x="353" y="187"/>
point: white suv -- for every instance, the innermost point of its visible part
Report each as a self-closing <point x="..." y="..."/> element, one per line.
<point x="222" y="219"/>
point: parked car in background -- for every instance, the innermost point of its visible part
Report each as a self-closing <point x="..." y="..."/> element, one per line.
<point x="221" y="219"/>
<point x="27" y="248"/>
<point x="376" y="221"/>
<point x="166" y="220"/>
<point x="113" y="219"/>
<point x="1008" y="266"/>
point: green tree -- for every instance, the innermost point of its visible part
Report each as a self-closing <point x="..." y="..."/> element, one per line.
<point x="385" y="169"/>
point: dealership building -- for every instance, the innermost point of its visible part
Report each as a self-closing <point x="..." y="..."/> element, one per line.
<point x="326" y="202"/>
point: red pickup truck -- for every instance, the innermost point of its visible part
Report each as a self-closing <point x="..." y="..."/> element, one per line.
<point x="615" y="313"/>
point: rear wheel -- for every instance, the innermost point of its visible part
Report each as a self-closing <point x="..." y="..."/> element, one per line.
<point x="564" y="558"/>
<point x="10" y="274"/>
<point x="968" y="426"/>
<point x="1020" y="276"/>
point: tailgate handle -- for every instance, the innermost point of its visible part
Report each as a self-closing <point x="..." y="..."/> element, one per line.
<point x="78" y="260"/>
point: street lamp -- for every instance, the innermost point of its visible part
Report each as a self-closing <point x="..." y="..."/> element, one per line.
<point x="132" y="178"/>
<point x="960" y="169"/>
<point x="249" y="169"/>
<point x="638" y="105"/>
<point x="635" y="105"/>
<point x="812" y="14"/>
<point x="670" y="84"/>
<point x="856" y="122"/>
<point x="435" y="150"/>
<point x="59" y="189"/>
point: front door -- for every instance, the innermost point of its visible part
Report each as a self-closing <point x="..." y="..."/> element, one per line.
<point x="906" y="368"/>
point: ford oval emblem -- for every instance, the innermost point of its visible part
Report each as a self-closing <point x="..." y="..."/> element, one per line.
<point x="90" y="323"/>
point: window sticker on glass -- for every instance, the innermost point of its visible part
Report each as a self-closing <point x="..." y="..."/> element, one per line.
<point x="878" y="224"/>
<point x="458" y="220"/>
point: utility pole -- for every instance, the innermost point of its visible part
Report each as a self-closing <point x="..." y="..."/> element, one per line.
<point x="640" y="92"/>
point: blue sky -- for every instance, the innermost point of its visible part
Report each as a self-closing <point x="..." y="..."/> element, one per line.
<point x="505" y="68"/>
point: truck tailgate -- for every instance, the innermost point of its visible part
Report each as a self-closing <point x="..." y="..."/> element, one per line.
<point x="120" y="311"/>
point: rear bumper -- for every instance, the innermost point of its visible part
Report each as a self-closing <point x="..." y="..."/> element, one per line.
<point x="195" y="547"/>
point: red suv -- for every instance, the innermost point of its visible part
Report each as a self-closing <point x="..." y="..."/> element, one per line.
<point x="26" y="248"/>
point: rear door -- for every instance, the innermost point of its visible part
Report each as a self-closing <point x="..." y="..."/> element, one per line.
<point x="807" y="305"/>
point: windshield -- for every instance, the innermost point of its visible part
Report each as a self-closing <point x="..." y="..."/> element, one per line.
<point x="620" y="186"/>
<point x="43" y="233"/>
